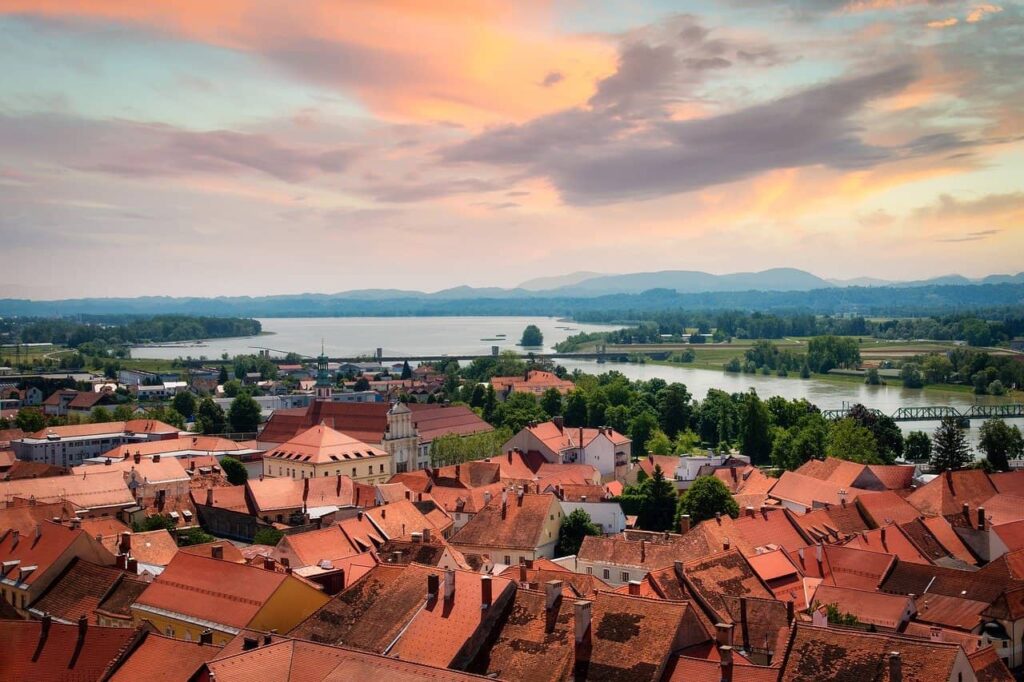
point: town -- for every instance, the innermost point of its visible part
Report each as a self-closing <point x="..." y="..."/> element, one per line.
<point x="432" y="521"/>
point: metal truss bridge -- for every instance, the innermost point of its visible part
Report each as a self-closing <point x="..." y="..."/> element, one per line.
<point x="938" y="412"/>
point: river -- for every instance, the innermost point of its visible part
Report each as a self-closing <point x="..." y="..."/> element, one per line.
<point x="411" y="336"/>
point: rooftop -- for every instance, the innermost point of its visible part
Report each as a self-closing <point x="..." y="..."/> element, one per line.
<point x="517" y="524"/>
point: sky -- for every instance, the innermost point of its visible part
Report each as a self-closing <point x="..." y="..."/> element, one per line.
<point x="251" y="148"/>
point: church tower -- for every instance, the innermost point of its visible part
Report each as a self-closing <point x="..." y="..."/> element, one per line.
<point x="323" y="377"/>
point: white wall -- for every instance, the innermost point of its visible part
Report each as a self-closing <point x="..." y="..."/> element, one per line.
<point x="608" y="515"/>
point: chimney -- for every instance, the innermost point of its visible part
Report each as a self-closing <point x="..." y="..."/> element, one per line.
<point x="408" y="494"/>
<point x="132" y="566"/>
<point x="634" y="588"/>
<point x="750" y="512"/>
<point x="83" y="629"/>
<point x="449" y="584"/>
<point x="191" y="466"/>
<point x="726" y="653"/>
<point x="519" y="497"/>
<point x="337" y="486"/>
<point x="426" y="535"/>
<point x="249" y="643"/>
<point x="552" y="593"/>
<point x="895" y="667"/>
<point x="206" y="636"/>
<point x="268" y="563"/>
<point x="967" y="511"/>
<point x="209" y="497"/>
<point x="383" y="510"/>
<point x="458" y="471"/>
<point x="126" y="543"/>
<point x="156" y="458"/>
<point x="417" y="537"/>
<point x="433" y="585"/>
<point x="559" y="422"/>
<point x="504" y="503"/>
<point x="718" y="518"/>
<point x="487" y="497"/>
<point x="45" y="626"/>
<point x="732" y="471"/>
<point x="935" y="633"/>
<point x="883" y="535"/>
<point x="723" y="634"/>
<point x="725" y="544"/>
<point x="509" y="456"/>
<point x="582" y="622"/>
<point x="137" y="457"/>
<point x="790" y="612"/>
<point x="121" y="561"/>
<point x="981" y="518"/>
<point x="396" y="557"/>
<point x="305" y="490"/>
<point x="486" y="596"/>
<point x="217" y="551"/>
<point x="523" y="577"/>
<point x="643" y="551"/>
<point x="684" y="524"/>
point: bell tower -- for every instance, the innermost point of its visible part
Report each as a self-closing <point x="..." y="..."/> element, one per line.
<point x="323" y="377"/>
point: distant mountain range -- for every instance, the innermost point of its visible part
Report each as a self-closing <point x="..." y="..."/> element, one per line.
<point x="557" y="295"/>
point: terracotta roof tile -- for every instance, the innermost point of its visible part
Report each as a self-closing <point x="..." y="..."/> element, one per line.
<point x="688" y="669"/>
<point x="140" y="426"/>
<point x="38" y="552"/>
<point x="155" y="547"/>
<point x="832" y="524"/>
<point x="725" y="574"/>
<point x="88" y="492"/>
<point x="952" y="612"/>
<point x="833" y="653"/>
<point x="931" y="535"/>
<point x="988" y="666"/>
<point x="77" y="591"/>
<point x="321" y="444"/>
<point x="404" y="517"/>
<point x="887" y="611"/>
<point x="231" y="594"/>
<point x="1011" y="482"/>
<point x="164" y="659"/>
<point x="24" y="516"/>
<point x="889" y="540"/>
<point x="944" y="495"/>
<point x="881" y="508"/>
<point x="60" y="656"/>
<point x="117" y="602"/>
<point x="910" y="578"/>
<point x="650" y="551"/>
<point x="811" y="492"/>
<point x="520" y="527"/>
<point x="844" y="566"/>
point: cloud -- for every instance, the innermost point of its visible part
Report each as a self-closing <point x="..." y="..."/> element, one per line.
<point x="552" y="78"/>
<point x="979" y="11"/>
<point x="943" y="23"/>
<point x="134" y="149"/>
<point x="401" y="192"/>
<point x="595" y="157"/>
<point x="948" y="206"/>
<point x="971" y="236"/>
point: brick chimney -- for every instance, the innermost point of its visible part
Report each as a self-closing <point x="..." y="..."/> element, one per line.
<point x="217" y="551"/>
<point x="426" y="535"/>
<point x="486" y="595"/>
<point x="981" y="518"/>
<point x="504" y="502"/>
<point x="458" y="471"/>
<point x="723" y="634"/>
<point x="137" y="458"/>
<point x="83" y="630"/>
<point x="634" y="588"/>
<point x="305" y="491"/>
<point x="132" y="565"/>
<point x="725" y="544"/>
<point x="268" y="563"/>
<point x="126" y="543"/>
<point x="684" y="524"/>
<point x="895" y="667"/>
<point x="209" y="497"/>
<point x="433" y="585"/>
<point x="449" y="585"/>
<point x="523" y="577"/>
<point x="156" y="458"/>
<point x="726" y="653"/>
<point x="750" y="512"/>
<point x="967" y="512"/>
<point x="643" y="551"/>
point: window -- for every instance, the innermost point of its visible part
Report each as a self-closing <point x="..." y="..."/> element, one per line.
<point x="607" y="574"/>
<point x="590" y="570"/>
<point x="508" y="560"/>
<point x="625" y="576"/>
<point x="353" y="472"/>
<point x="381" y="468"/>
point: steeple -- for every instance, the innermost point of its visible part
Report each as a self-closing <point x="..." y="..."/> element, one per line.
<point x="323" y="378"/>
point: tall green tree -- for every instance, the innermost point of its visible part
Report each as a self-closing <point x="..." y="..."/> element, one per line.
<point x="185" y="403"/>
<point x="674" y="411"/>
<point x="658" y="508"/>
<point x="30" y="419"/>
<point x="1001" y="442"/>
<point x="850" y="441"/>
<point x="918" y="447"/>
<point x="222" y="376"/>
<point x="210" y="417"/>
<point x="100" y="415"/>
<point x="234" y="471"/>
<point x="576" y="408"/>
<point x="575" y="527"/>
<point x="551" y="402"/>
<point x="406" y="370"/>
<point x="706" y="497"/>
<point x="949" y="447"/>
<point x="755" y="438"/>
<point x="518" y="410"/>
<point x="244" y="414"/>
<point x="641" y="428"/>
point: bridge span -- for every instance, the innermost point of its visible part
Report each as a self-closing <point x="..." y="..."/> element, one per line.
<point x="939" y="412"/>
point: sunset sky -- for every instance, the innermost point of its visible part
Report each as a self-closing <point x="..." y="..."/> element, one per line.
<point x="229" y="147"/>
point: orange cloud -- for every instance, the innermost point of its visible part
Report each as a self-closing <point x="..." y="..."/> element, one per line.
<point x="979" y="12"/>
<point x="943" y="23"/>
<point x="470" y="63"/>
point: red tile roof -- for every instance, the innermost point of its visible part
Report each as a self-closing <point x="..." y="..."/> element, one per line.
<point x="535" y="381"/>
<point x="164" y="659"/>
<point x="844" y="566"/>
<point x="77" y="591"/>
<point x="811" y="492"/>
<point x="952" y="612"/>
<point x="1011" y="482"/>
<point x="945" y="494"/>
<point x="570" y="437"/>
<point x="818" y="654"/>
<point x="720" y="575"/>
<point x="520" y="526"/>
<point x="33" y="554"/>
<point x="889" y="540"/>
<point x="687" y="669"/>
<point x="886" y="507"/>
<point x="833" y="524"/>
<point x="403" y="518"/>
<point x="211" y="590"/>
<point x="882" y="610"/>
<point x="321" y="444"/>
<point x="988" y="666"/>
<point x="63" y="655"/>
<point x="140" y="426"/>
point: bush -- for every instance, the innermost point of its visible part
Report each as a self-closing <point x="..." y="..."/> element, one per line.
<point x="234" y="471"/>
<point x="267" y="536"/>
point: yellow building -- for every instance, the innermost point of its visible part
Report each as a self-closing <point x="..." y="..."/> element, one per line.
<point x="321" y="451"/>
<point x="198" y="593"/>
